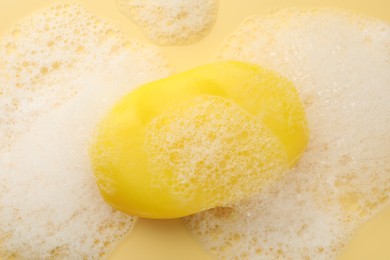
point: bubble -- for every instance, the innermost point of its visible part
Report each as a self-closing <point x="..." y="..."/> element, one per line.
<point x="340" y="64"/>
<point x="61" y="75"/>
<point x="212" y="147"/>
<point x="171" y="22"/>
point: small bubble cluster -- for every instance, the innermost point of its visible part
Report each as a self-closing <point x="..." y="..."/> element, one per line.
<point x="171" y="22"/>
<point x="212" y="146"/>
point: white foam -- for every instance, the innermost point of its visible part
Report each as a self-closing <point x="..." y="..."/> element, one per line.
<point x="340" y="64"/>
<point x="171" y="22"/>
<point x="50" y="206"/>
<point x="212" y="147"/>
<point x="47" y="49"/>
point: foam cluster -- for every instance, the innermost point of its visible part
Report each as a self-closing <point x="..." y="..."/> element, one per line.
<point x="61" y="70"/>
<point x="212" y="146"/>
<point x="171" y="22"/>
<point x="340" y="64"/>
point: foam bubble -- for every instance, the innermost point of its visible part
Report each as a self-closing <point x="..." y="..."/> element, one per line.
<point x="47" y="49"/>
<point x="212" y="147"/>
<point x="171" y="22"/>
<point x="50" y="206"/>
<point x="340" y="65"/>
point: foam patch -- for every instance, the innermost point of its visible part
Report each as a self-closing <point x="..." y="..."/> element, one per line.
<point x="171" y="22"/>
<point x="61" y="70"/>
<point x="340" y="64"/>
<point x="45" y="50"/>
<point x="238" y="148"/>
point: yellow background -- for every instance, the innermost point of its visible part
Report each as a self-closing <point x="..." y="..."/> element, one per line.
<point x="155" y="239"/>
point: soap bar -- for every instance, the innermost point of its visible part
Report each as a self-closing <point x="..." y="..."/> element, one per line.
<point x="200" y="139"/>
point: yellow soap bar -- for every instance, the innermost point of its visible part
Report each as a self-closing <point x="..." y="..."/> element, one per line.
<point x="204" y="138"/>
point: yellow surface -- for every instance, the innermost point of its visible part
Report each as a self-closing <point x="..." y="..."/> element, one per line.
<point x="264" y="100"/>
<point x="168" y="240"/>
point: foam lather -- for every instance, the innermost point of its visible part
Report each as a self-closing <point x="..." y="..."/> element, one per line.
<point x="61" y="69"/>
<point x="171" y="22"/>
<point x="340" y="65"/>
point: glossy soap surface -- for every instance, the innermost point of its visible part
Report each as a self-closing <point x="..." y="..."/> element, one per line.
<point x="200" y="139"/>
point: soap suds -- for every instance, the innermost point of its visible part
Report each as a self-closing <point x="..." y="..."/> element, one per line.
<point x="171" y="22"/>
<point x="40" y="54"/>
<point x="62" y="69"/>
<point x="340" y="65"/>
<point x="212" y="146"/>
